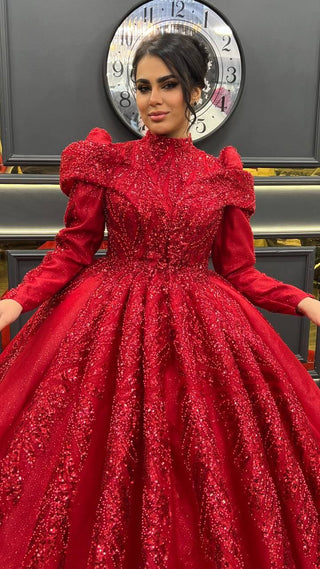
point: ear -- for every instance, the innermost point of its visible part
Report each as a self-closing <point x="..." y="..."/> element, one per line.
<point x="195" y="94"/>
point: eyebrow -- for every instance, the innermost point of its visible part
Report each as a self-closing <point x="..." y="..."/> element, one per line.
<point x="159" y="80"/>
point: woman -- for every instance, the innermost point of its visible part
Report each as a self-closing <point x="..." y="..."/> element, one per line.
<point x="151" y="417"/>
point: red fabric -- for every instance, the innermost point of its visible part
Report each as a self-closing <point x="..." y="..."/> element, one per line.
<point x="151" y="417"/>
<point x="76" y="245"/>
<point x="234" y="258"/>
<point x="48" y="245"/>
<point x="5" y="337"/>
<point x="52" y="245"/>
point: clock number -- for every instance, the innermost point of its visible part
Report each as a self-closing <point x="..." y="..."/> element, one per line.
<point x="117" y="68"/>
<point x="205" y="24"/>
<point x="127" y="38"/>
<point x="228" y="40"/>
<point x="202" y="125"/>
<point x="145" y="17"/>
<point x="180" y="7"/>
<point x="223" y="105"/>
<point x="233" y="77"/>
<point x="125" y="99"/>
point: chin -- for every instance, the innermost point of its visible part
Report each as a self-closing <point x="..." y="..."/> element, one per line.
<point x="159" y="129"/>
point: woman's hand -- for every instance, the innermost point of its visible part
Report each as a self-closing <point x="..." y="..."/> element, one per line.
<point x="310" y="307"/>
<point x="10" y="310"/>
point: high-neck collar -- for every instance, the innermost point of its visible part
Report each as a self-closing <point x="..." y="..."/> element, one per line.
<point x="162" y="142"/>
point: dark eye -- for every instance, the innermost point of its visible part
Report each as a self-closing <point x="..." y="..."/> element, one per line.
<point x="170" y="85"/>
<point x="142" y="88"/>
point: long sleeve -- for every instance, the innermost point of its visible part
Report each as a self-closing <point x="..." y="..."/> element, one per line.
<point x="233" y="257"/>
<point x="85" y="170"/>
<point x="76" y="245"/>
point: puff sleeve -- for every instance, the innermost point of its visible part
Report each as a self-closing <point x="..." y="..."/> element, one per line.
<point x="233" y="249"/>
<point x="84" y="173"/>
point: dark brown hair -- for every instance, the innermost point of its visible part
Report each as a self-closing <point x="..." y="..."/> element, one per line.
<point x="184" y="55"/>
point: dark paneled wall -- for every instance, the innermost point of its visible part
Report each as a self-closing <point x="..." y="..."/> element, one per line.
<point x="53" y="93"/>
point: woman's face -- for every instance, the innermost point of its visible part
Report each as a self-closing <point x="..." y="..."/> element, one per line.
<point x="160" y="98"/>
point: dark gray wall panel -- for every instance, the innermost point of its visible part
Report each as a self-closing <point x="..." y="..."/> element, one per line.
<point x="52" y="78"/>
<point x="293" y="265"/>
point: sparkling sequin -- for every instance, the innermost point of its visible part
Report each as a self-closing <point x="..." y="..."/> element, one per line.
<point x="153" y="419"/>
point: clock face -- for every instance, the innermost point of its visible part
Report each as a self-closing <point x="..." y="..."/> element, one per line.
<point x="225" y="76"/>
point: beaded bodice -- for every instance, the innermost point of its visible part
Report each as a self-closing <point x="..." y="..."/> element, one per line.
<point x="164" y="197"/>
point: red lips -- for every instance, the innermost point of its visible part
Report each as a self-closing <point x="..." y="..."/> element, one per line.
<point x="158" y="113"/>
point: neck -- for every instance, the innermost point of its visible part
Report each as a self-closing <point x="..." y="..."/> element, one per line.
<point x="185" y="136"/>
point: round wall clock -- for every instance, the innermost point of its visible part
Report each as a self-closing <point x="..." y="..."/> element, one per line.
<point x="225" y="76"/>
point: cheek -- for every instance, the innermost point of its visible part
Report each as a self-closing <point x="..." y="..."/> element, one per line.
<point x="178" y="102"/>
<point x="141" y="103"/>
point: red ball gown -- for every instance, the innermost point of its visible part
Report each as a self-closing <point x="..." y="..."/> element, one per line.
<point x="151" y="417"/>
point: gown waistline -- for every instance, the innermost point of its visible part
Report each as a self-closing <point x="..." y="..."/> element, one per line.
<point x="157" y="263"/>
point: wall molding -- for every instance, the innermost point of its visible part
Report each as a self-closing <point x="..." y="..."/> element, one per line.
<point x="33" y="207"/>
<point x="5" y="85"/>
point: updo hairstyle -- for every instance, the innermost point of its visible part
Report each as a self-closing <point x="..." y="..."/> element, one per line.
<point x="184" y="55"/>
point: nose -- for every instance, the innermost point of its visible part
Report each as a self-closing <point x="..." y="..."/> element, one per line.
<point x="155" y="96"/>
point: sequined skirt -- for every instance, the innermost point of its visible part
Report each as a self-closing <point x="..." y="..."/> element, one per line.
<point x="152" y="418"/>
